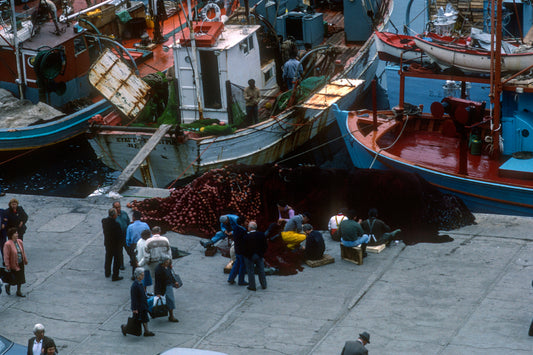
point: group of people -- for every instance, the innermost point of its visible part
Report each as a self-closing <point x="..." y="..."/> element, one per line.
<point x="150" y="257"/>
<point x="13" y="226"/>
<point x="351" y="231"/>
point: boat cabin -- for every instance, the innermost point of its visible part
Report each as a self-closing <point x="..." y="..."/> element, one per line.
<point x="227" y="56"/>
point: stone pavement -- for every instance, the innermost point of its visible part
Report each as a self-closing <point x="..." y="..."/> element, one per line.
<point x="469" y="296"/>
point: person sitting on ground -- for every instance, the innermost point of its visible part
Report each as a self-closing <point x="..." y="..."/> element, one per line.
<point x="314" y="243"/>
<point x="292" y="235"/>
<point x="227" y="224"/>
<point x="351" y="233"/>
<point x="333" y="225"/>
<point x="378" y="231"/>
<point x="239" y="266"/>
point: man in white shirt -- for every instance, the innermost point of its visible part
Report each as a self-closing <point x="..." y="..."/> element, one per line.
<point x="333" y="225"/>
<point x="35" y="344"/>
<point x="156" y="250"/>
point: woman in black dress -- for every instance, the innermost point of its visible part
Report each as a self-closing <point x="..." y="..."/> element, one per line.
<point x="139" y="302"/>
<point x="16" y="217"/>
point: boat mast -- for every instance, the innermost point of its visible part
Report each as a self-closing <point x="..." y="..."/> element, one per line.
<point x="194" y="61"/>
<point x="497" y="72"/>
<point x="17" y="49"/>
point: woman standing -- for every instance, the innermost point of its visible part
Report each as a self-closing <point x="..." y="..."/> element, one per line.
<point x="164" y="282"/>
<point x="16" y="217"/>
<point x="15" y="259"/>
<point x="139" y="303"/>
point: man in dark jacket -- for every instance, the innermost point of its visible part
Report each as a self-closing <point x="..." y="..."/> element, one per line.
<point x="113" y="244"/>
<point x="357" y="347"/>
<point x="239" y="265"/>
<point x="377" y="230"/>
<point x="255" y="246"/>
<point x="314" y="243"/>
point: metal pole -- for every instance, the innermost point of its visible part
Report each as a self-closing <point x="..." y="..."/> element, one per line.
<point x="17" y="50"/>
<point x="497" y="82"/>
<point x="195" y="62"/>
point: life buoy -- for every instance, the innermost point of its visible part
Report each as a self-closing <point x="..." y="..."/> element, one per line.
<point x="207" y="8"/>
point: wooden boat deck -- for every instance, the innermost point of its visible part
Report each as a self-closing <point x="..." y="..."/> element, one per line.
<point x="424" y="145"/>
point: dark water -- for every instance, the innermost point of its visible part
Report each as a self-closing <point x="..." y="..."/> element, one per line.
<point x="68" y="169"/>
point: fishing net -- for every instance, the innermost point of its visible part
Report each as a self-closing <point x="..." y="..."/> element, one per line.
<point x="303" y="91"/>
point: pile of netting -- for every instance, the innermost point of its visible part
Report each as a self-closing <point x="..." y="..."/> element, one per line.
<point x="404" y="200"/>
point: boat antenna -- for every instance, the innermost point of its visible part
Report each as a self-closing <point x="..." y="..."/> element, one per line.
<point x="496" y="72"/>
<point x="17" y="49"/>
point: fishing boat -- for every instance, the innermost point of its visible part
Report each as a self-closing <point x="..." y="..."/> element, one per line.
<point x="395" y="47"/>
<point x="210" y="82"/>
<point x="460" y="54"/>
<point x="481" y="152"/>
<point x="47" y="57"/>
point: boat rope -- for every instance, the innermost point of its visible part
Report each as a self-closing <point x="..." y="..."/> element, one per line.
<point x="18" y="156"/>
<point x="192" y="162"/>
<point x="392" y="144"/>
<point x="317" y="147"/>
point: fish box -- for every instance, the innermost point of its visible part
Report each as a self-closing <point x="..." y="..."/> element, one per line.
<point x="99" y="17"/>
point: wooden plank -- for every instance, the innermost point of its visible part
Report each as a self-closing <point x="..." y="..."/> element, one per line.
<point x="375" y="248"/>
<point x="353" y="254"/>
<point x="128" y="172"/>
<point x="326" y="259"/>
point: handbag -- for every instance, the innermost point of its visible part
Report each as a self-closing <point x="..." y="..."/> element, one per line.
<point x="133" y="326"/>
<point x="159" y="309"/>
<point x="7" y="276"/>
<point x="177" y="278"/>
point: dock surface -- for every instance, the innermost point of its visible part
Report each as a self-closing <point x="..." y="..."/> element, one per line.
<point x="469" y="296"/>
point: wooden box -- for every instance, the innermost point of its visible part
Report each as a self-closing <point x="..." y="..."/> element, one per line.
<point x="375" y="248"/>
<point x="352" y="254"/>
<point x="210" y="251"/>
<point x="326" y="259"/>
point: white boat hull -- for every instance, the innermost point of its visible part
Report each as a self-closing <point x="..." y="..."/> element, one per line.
<point x="473" y="61"/>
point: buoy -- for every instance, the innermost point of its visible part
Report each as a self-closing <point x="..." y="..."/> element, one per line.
<point x="207" y="8"/>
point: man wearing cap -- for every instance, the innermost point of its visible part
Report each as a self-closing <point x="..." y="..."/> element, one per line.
<point x="228" y="222"/>
<point x="357" y="347"/>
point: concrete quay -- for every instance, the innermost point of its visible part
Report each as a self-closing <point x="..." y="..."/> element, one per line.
<point x="469" y="296"/>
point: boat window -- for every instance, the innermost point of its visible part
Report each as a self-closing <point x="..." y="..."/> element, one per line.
<point x="250" y="43"/>
<point x="79" y="45"/>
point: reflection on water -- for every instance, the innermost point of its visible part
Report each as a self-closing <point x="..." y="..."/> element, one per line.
<point x="68" y="169"/>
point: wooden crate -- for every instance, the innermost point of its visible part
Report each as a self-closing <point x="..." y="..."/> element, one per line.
<point x="352" y="254"/>
<point x="376" y="249"/>
<point x="326" y="259"/>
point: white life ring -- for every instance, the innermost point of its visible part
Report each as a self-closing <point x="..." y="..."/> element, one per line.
<point x="207" y="8"/>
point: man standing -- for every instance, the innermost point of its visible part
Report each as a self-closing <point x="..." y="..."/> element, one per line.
<point x="251" y="98"/>
<point x="124" y="221"/>
<point x="239" y="266"/>
<point x="156" y="250"/>
<point x="228" y="222"/>
<point x="133" y="234"/>
<point x="351" y="234"/>
<point x="35" y="344"/>
<point x="357" y="347"/>
<point x="292" y="71"/>
<point x="112" y="243"/>
<point x="377" y="230"/>
<point x="292" y="235"/>
<point x="255" y="246"/>
<point x="314" y="243"/>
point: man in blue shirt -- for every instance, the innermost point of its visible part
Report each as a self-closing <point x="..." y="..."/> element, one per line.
<point x="292" y="71"/>
<point x="133" y="234"/>
<point x="228" y="223"/>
